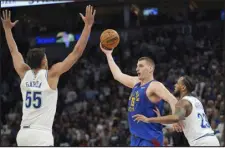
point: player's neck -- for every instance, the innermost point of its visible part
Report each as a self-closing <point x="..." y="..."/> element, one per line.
<point x="36" y="70"/>
<point x="183" y="94"/>
<point x="147" y="80"/>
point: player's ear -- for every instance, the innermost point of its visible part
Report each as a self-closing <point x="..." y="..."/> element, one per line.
<point x="150" y="68"/>
<point x="183" y="87"/>
<point x="43" y="61"/>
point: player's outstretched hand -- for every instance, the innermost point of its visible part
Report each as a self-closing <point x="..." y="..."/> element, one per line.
<point x="139" y="118"/>
<point x="178" y="127"/>
<point x="89" y="16"/>
<point x="105" y="50"/>
<point x="156" y="110"/>
<point x="6" y="20"/>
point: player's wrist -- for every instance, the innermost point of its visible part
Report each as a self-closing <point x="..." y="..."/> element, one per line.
<point x="7" y="29"/>
<point x="109" y="55"/>
<point x="89" y="26"/>
<point x="148" y="120"/>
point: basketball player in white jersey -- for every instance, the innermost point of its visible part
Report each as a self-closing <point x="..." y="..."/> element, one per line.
<point x="190" y="112"/>
<point x="39" y="85"/>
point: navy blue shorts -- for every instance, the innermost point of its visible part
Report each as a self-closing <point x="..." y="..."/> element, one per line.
<point x="137" y="141"/>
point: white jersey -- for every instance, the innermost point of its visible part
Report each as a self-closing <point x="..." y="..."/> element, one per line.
<point x="196" y="124"/>
<point x="39" y="101"/>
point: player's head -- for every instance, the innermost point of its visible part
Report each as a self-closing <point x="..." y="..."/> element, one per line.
<point x="145" y="67"/>
<point x="36" y="58"/>
<point x="184" y="85"/>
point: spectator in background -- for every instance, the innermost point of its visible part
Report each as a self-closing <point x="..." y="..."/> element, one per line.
<point x="92" y="109"/>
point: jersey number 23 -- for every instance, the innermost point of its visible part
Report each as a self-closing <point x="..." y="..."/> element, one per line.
<point x="204" y="120"/>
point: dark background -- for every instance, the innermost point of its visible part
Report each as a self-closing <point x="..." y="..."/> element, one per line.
<point x="186" y="37"/>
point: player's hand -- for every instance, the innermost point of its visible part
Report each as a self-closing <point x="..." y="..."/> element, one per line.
<point x="139" y="118"/>
<point x="177" y="127"/>
<point x="105" y="50"/>
<point x="156" y="110"/>
<point x="89" y="15"/>
<point x="6" y="20"/>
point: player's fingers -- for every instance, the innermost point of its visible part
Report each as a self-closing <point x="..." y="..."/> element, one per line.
<point x="3" y="13"/>
<point x="6" y="15"/>
<point x="91" y="10"/>
<point x="86" y="10"/>
<point x="9" y="14"/>
<point x="157" y="112"/>
<point x="181" y="125"/>
<point x="180" y="129"/>
<point x="137" y="115"/>
<point x="2" y="19"/>
<point x="94" y="12"/>
<point x="177" y="128"/>
<point x="102" y="48"/>
<point x="138" y="119"/>
<point x="134" y="116"/>
<point x="173" y="127"/>
<point x="15" y="22"/>
<point x="82" y="16"/>
<point x="100" y="44"/>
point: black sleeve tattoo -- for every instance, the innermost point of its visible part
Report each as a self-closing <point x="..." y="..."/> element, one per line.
<point x="182" y="109"/>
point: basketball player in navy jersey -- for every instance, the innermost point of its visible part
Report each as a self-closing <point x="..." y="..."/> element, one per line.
<point x="146" y="95"/>
<point x="190" y="112"/>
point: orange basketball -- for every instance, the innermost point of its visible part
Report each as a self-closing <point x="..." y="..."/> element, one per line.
<point x="109" y="39"/>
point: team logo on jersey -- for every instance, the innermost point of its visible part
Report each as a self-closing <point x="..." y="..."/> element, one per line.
<point x="133" y="99"/>
<point x="137" y="96"/>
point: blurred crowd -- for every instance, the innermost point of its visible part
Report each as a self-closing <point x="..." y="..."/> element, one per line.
<point x="92" y="107"/>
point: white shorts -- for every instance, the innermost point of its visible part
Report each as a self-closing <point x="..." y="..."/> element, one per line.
<point x="34" y="137"/>
<point x="206" y="141"/>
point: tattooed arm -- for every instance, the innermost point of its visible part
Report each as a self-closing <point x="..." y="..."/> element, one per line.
<point x="182" y="109"/>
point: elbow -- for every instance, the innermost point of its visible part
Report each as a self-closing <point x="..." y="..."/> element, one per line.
<point x="172" y="102"/>
<point x="117" y="76"/>
<point x="175" y="119"/>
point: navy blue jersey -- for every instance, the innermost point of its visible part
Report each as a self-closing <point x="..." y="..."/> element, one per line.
<point x="140" y="104"/>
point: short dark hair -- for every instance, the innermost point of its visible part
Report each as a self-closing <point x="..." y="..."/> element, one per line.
<point x="34" y="57"/>
<point x="189" y="83"/>
<point x="149" y="60"/>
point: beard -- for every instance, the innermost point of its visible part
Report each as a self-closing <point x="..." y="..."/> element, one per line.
<point x="176" y="94"/>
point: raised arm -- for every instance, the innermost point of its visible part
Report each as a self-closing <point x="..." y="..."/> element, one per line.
<point x="71" y="59"/>
<point x="125" y="79"/>
<point x="160" y="90"/>
<point x="20" y="66"/>
<point x="181" y="109"/>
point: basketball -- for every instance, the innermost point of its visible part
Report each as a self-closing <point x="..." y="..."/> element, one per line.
<point x="109" y="39"/>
